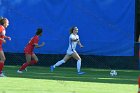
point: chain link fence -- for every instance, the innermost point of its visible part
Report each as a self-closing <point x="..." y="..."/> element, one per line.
<point x="88" y="61"/>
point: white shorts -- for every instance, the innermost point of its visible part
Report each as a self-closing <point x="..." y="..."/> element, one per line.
<point x="70" y="52"/>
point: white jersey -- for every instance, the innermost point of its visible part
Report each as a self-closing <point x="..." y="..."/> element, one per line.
<point x="72" y="44"/>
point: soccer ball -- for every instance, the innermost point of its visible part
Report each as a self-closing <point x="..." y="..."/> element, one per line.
<point x="113" y="73"/>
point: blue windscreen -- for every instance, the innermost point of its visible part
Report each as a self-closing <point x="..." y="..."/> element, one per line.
<point x="106" y="27"/>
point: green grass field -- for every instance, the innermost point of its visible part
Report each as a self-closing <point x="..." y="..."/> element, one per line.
<point x="65" y="80"/>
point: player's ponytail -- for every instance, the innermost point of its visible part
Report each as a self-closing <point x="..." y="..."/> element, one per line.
<point x="71" y="29"/>
<point x="1" y="22"/>
<point x="1" y="17"/>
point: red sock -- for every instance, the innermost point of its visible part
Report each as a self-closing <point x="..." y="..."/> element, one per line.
<point x="1" y="66"/>
<point x="24" y="66"/>
<point x="33" y="62"/>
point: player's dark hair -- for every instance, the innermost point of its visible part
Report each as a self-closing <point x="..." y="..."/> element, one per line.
<point x="71" y="29"/>
<point x="2" y="20"/>
<point x="39" y="31"/>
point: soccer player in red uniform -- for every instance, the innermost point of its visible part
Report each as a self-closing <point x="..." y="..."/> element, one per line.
<point x="28" y="50"/>
<point x="3" y="25"/>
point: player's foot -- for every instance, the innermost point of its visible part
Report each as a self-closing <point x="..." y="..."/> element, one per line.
<point x="2" y="75"/>
<point x="51" y="68"/>
<point x="19" y="72"/>
<point x="81" y="73"/>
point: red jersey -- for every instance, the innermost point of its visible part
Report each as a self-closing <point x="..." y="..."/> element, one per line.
<point x="30" y="46"/>
<point x="2" y="33"/>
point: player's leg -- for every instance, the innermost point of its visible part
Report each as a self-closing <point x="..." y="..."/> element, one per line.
<point x="66" y="57"/>
<point x="27" y="63"/>
<point x="35" y="59"/>
<point x="2" y="60"/>
<point x="76" y="56"/>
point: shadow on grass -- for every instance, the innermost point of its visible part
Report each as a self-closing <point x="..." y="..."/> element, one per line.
<point x="69" y="74"/>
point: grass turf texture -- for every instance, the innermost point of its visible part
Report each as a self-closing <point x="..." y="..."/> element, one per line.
<point x="66" y="80"/>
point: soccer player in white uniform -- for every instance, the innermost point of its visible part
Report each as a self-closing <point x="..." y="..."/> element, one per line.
<point x="71" y="52"/>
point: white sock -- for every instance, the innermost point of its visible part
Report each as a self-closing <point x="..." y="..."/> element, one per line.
<point x="78" y="65"/>
<point x="59" y="63"/>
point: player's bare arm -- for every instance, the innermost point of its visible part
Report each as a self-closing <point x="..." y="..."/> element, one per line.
<point x="79" y="43"/>
<point x="41" y="45"/>
<point x="7" y="37"/>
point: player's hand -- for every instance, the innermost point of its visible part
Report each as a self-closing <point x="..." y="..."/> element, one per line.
<point x="43" y="43"/>
<point x="81" y="46"/>
<point x="9" y="38"/>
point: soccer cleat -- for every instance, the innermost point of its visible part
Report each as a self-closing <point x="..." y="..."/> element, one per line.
<point x="81" y="73"/>
<point x="20" y="72"/>
<point x="2" y="75"/>
<point x="51" y="68"/>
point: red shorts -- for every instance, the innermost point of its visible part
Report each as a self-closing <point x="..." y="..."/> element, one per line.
<point x="28" y="51"/>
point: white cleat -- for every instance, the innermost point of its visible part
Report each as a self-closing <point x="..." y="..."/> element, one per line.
<point x="81" y="73"/>
<point x="20" y="72"/>
<point x="2" y="75"/>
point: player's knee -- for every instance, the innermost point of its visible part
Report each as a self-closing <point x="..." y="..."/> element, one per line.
<point x="79" y="59"/>
<point x="36" y="60"/>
